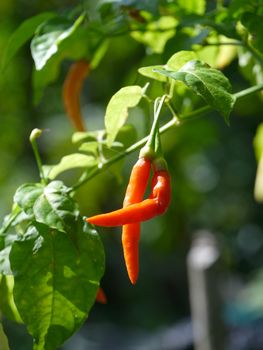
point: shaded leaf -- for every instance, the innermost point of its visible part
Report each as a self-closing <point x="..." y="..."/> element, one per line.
<point x="22" y="34"/>
<point x="117" y="110"/>
<point x="7" y="304"/>
<point x="72" y="161"/>
<point x="56" y="281"/>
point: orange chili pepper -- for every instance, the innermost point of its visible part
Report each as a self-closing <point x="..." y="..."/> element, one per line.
<point x="101" y="296"/>
<point x="131" y="232"/>
<point x="156" y="204"/>
<point x="71" y="92"/>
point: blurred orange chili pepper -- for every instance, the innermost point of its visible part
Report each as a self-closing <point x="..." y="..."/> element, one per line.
<point x="71" y="92"/>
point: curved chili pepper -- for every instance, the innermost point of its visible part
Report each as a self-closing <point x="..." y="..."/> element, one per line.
<point x="71" y="92"/>
<point x="156" y="204"/>
<point x="131" y="232"/>
<point x="101" y="296"/>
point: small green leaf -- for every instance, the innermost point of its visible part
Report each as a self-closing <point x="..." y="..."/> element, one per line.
<point x="209" y="83"/>
<point x="89" y="148"/>
<point x="23" y="33"/>
<point x="7" y="304"/>
<point x="56" y="281"/>
<point x="46" y="43"/>
<point x="117" y="110"/>
<point x="72" y="161"/>
<point x="26" y="195"/>
<point x="80" y="136"/>
<point x="150" y="72"/>
<point x="179" y="59"/>
<point x="55" y="208"/>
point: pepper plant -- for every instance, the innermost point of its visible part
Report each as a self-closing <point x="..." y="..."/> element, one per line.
<point x="51" y="259"/>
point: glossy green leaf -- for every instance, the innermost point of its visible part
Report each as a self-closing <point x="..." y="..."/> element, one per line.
<point x="46" y="43"/>
<point x="26" y="195"/>
<point x="56" y="279"/>
<point x="72" y="161"/>
<point x="22" y="34"/>
<point x="55" y="208"/>
<point x="209" y="83"/>
<point x="117" y="110"/>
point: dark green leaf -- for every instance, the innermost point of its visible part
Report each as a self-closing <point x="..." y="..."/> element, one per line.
<point x="56" y="280"/>
<point x="207" y="82"/>
<point x="26" y="195"/>
<point x="23" y="33"/>
<point x="55" y="208"/>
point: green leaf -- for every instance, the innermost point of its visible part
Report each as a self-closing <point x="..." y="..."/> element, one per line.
<point x="3" y="339"/>
<point x="80" y="136"/>
<point x="207" y="82"/>
<point x="6" y="242"/>
<point x="157" y="33"/>
<point x="151" y="72"/>
<point x="258" y="142"/>
<point x="174" y="63"/>
<point x="7" y="304"/>
<point x="193" y="6"/>
<point x="56" y="280"/>
<point x="26" y="195"/>
<point x="72" y="161"/>
<point x="55" y="208"/>
<point x="46" y="43"/>
<point x="179" y="59"/>
<point x="117" y="110"/>
<point x="22" y="34"/>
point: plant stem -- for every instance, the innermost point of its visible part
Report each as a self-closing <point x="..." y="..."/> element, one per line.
<point x="174" y="122"/>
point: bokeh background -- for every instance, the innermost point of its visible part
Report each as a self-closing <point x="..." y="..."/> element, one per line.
<point x="213" y="169"/>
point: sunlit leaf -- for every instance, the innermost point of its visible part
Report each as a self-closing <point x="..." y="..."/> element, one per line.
<point x="45" y="44"/>
<point x="117" y="110"/>
<point x="150" y="72"/>
<point x="157" y="33"/>
<point x="207" y="82"/>
<point x="193" y="6"/>
<point x="179" y="59"/>
<point x="72" y="161"/>
<point x="56" y="279"/>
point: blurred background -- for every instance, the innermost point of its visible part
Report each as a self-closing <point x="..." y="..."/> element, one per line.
<point x="213" y="171"/>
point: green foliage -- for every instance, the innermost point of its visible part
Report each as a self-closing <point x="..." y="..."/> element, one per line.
<point x="51" y="263"/>
<point x="207" y="82"/>
<point x="23" y="33"/>
<point x="117" y="110"/>
<point x="56" y="277"/>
